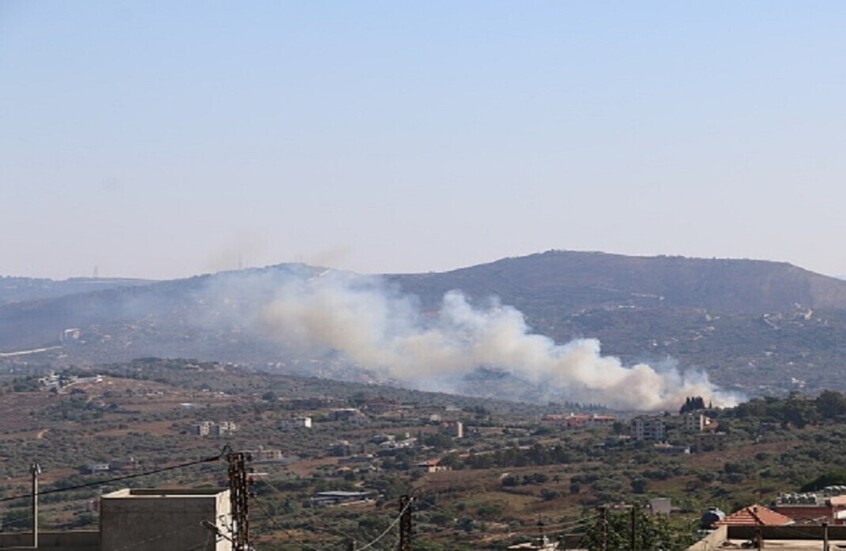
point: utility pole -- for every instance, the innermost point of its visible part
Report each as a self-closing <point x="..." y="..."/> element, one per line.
<point x="825" y="536"/>
<point x="239" y="500"/>
<point x="405" y="523"/>
<point x="35" y="470"/>
<point x="603" y="521"/>
<point x="633" y="536"/>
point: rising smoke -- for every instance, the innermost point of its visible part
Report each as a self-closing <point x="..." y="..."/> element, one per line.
<point x="378" y="328"/>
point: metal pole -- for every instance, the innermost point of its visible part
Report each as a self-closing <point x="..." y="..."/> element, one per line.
<point x="634" y="528"/>
<point x="35" y="470"/>
<point x="604" y="526"/>
<point x="825" y="536"/>
<point x="405" y="523"/>
<point x="239" y="501"/>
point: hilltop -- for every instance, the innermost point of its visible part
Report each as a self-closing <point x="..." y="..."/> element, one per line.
<point x="564" y="282"/>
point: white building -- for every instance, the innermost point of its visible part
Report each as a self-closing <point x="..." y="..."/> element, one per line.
<point x="296" y="423"/>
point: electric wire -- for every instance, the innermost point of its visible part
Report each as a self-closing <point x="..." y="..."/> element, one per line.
<point x="311" y="513"/>
<point x="271" y="518"/>
<point x="389" y="528"/>
<point x="119" y="478"/>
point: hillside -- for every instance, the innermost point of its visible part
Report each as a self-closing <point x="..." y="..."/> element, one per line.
<point x="501" y="466"/>
<point x="566" y="281"/>
<point x="760" y="327"/>
<point x="23" y="289"/>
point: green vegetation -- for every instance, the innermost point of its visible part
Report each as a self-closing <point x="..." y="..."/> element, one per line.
<point x="494" y="482"/>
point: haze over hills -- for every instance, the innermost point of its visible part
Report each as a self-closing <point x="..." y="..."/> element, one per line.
<point x="754" y="326"/>
<point x="21" y="289"/>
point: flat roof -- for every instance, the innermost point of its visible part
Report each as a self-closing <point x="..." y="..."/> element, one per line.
<point x="165" y="492"/>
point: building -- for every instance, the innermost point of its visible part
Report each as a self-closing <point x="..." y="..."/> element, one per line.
<point x="265" y="455"/>
<point x="773" y="537"/>
<point x="296" y="423"/>
<point x="755" y="515"/>
<point x="379" y="405"/>
<point x="648" y="428"/>
<point x="696" y="422"/>
<point x="325" y="499"/>
<point x="143" y="519"/>
<point x="165" y="519"/>
<point x="130" y="464"/>
<point x="661" y="506"/>
<point x="709" y="441"/>
<point x="578" y="420"/>
<point x="543" y="543"/>
<point x="212" y="428"/>
<point x="433" y="466"/>
<point x="812" y="508"/>
<point x="453" y="428"/>
<point x="94" y="468"/>
<point x="352" y="416"/>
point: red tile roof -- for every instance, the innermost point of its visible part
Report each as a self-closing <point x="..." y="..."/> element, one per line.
<point x="755" y="515"/>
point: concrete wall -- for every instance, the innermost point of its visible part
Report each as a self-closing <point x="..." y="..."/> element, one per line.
<point x="136" y="520"/>
<point x="66" y="541"/>
<point x="780" y="533"/>
<point x="713" y="541"/>
<point x="791" y="532"/>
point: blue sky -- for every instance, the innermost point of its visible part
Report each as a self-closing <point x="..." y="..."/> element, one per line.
<point x="164" y="139"/>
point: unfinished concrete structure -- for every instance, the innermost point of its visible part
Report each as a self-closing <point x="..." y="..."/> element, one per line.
<point x="197" y="519"/>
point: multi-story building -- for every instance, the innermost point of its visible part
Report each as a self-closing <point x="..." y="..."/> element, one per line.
<point x="648" y="428"/>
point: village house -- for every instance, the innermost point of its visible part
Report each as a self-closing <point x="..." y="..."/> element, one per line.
<point x="578" y="420"/>
<point x="352" y="416"/>
<point x="433" y="466"/>
<point x="296" y="423"/>
<point x="212" y="428"/>
<point x="812" y="508"/>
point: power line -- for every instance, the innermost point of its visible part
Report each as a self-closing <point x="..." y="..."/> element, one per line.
<point x="311" y="513"/>
<point x="389" y="528"/>
<point x="271" y="518"/>
<point x="96" y="483"/>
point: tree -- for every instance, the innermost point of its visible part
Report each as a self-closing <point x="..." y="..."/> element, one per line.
<point x="830" y="404"/>
<point x="693" y="403"/>
<point x="548" y="494"/>
<point x="651" y="532"/>
<point x="639" y="485"/>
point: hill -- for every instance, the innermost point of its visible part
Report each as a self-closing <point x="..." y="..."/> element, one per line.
<point x="755" y="326"/>
<point x="567" y="281"/>
<point x="23" y="289"/>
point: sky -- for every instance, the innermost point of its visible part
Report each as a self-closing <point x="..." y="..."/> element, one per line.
<point x="168" y="138"/>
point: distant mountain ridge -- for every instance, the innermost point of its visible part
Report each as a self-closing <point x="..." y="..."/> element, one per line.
<point x="576" y="280"/>
<point x="758" y="326"/>
<point x="22" y="289"/>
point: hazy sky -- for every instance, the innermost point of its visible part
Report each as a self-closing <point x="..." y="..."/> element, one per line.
<point x="164" y="139"/>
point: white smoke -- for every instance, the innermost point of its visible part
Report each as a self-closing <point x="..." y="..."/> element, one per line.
<point x="380" y="329"/>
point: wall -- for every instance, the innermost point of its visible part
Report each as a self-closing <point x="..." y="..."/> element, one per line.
<point x="164" y="519"/>
<point x="66" y="541"/>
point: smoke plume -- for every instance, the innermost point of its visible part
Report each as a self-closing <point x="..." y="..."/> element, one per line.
<point x="378" y="328"/>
